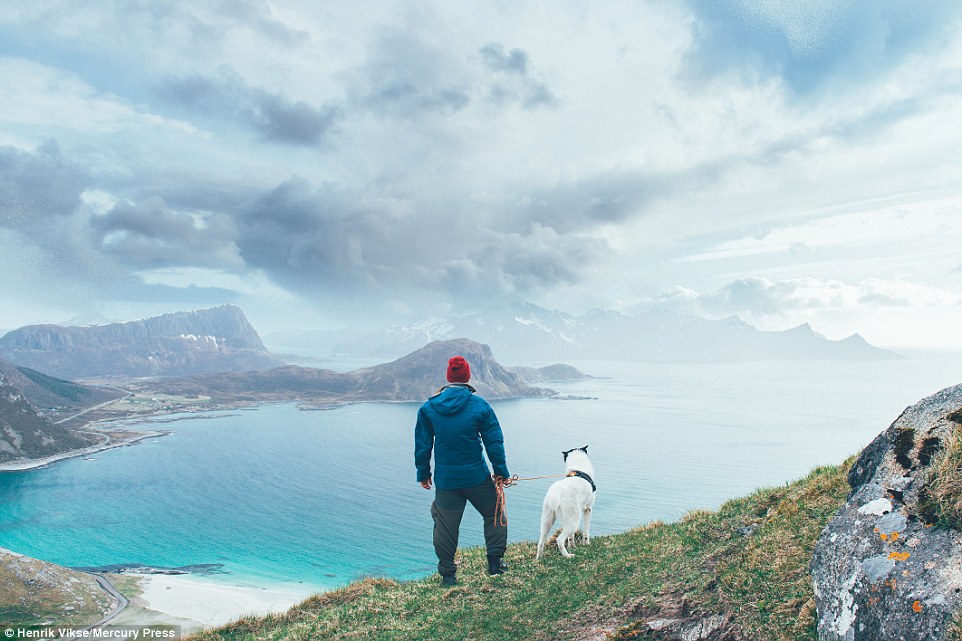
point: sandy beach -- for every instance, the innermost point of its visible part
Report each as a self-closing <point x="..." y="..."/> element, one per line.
<point x="200" y="602"/>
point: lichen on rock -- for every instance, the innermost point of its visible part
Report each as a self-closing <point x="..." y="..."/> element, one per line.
<point x="881" y="568"/>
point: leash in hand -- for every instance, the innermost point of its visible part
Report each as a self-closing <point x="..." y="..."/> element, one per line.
<point x="500" y="482"/>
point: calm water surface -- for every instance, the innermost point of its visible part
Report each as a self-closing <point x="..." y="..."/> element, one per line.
<point x="278" y="494"/>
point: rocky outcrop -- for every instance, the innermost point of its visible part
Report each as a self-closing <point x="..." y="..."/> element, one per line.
<point x="673" y="620"/>
<point x="881" y="569"/>
<point x="210" y="340"/>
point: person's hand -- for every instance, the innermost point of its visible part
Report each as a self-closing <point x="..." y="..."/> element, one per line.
<point x="426" y="483"/>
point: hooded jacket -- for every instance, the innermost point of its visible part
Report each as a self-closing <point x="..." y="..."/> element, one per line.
<point x="455" y="423"/>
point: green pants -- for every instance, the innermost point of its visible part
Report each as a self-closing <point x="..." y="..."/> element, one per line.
<point x="447" y="510"/>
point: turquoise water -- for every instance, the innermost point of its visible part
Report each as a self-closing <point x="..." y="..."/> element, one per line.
<point x="278" y="494"/>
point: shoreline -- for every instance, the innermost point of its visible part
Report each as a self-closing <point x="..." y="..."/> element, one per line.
<point x="121" y="436"/>
<point x="196" y="603"/>
<point x="113" y="442"/>
<point x="172" y="414"/>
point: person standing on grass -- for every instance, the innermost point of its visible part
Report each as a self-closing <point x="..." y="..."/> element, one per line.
<point x="455" y="423"/>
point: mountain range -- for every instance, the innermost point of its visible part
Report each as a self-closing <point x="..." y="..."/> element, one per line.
<point x="413" y="377"/>
<point x="182" y="343"/>
<point x="532" y="334"/>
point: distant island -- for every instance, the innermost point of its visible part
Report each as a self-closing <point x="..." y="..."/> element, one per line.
<point x="414" y="377"/>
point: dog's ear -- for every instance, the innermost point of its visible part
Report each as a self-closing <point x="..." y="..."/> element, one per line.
<point x="584" y="449"/>
<point x="564" y="455"/>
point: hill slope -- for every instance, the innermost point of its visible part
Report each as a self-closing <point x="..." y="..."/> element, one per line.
<point x="35" y="592"/>
<point x="210" y="340"/>
<point x="739" y="573"/>
<point x="54" y="397"/>
<point x="36" y="411"/>
<point x="27" y="434"/>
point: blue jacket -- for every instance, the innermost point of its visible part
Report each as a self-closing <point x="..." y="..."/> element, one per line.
<point x="455" y="423"/>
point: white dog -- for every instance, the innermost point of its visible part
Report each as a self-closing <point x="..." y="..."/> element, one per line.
<point x="568" y="500"/>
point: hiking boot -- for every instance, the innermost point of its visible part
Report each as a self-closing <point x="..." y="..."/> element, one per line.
<point x="449" y="580"/>
<point x="496" y="565"/>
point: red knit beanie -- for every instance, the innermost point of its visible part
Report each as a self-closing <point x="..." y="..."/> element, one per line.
<point x="458" y="370"/>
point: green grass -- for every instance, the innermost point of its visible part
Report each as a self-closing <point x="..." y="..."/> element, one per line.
<point x="131" y="586"/>
<point x="943" y="502"/>
<point x="761" y="580"/>
<point x="60" y="387"/>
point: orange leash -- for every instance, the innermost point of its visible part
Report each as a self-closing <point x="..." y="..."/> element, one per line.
<point x="500" y="518"/>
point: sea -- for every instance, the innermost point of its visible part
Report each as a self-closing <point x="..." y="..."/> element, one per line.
<point x="278" y="494"/>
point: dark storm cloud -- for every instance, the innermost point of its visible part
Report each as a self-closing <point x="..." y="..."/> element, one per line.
<point x="184" y="190"/>
<point x="331" y="240"/>
<point x="611" y="197"/>
<point x="37" y="186"/>
<point x="151" y="234"/>
<point x="197" y="21"/>
<point x="275" y="117"/>
<point x="179" y="297"/>
<point x="190" y="22"/>
<point x="514" y="83"/>
<point x="313" y="239"/>
<point x="64" y="254"/>
<point x="257" y="16"/>
<point x="406" y="78"/>
<point x="840" y="46"/>
<point x="495" y="59"/>
<point x="509" y="264"/>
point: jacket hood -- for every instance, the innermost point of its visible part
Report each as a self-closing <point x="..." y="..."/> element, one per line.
<point x="451" y="399"/>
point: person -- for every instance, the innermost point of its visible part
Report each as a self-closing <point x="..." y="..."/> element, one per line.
<point x="455" y="423"/>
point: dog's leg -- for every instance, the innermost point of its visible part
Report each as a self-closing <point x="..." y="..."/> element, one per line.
<point x="567" y="534"/>
<point x="586" y="535"/>
<point x="547" y="521"/>
<point x="569" y="525"/>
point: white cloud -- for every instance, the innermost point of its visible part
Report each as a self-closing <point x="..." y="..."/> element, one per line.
<point x="761" y="297"/>
<point x="782" y="161"/>
<point x="905" y="225"/>
<point x="834" y="307"/>
<point x="53" y="100"/>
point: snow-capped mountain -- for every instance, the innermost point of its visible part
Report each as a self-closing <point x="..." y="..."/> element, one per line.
<point x="531" y="334"/>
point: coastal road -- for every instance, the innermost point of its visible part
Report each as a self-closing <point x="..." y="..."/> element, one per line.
<point x="122" y="603"/>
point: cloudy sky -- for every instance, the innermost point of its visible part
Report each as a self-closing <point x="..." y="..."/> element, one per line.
<point x="323" y="163"/>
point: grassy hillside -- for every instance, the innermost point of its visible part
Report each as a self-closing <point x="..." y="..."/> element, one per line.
<point x="747" y="561"/>
<point x="34" y="592"/>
